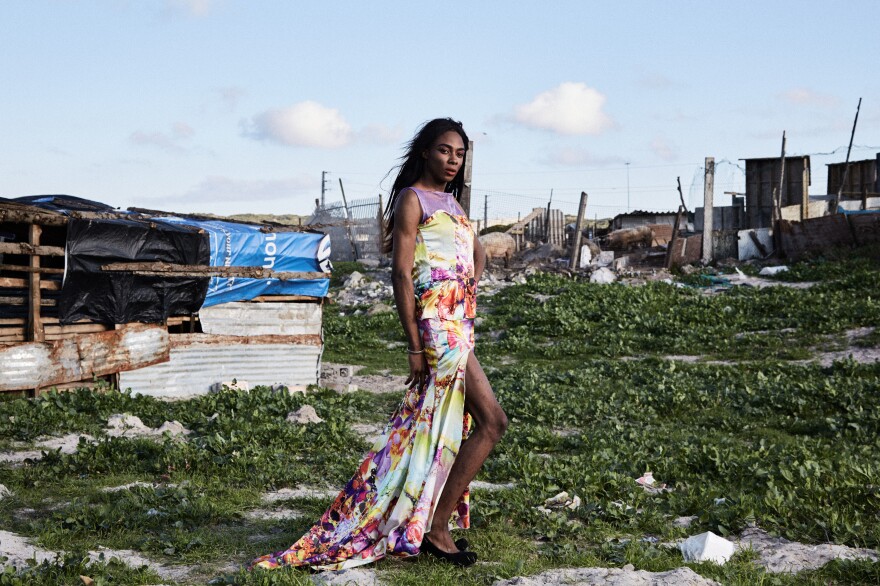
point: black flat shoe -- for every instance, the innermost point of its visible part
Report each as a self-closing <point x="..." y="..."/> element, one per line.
<point x="462" y="544"/>
<point x="461" y="559"/>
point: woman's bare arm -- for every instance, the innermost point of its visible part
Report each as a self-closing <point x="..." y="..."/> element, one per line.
<point x="407" y="216"/>
<point x="479" y="259"/>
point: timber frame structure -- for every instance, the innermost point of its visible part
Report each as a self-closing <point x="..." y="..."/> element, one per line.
<point x="38" y="352"/>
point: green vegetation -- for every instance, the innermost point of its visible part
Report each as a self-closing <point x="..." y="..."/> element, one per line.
<point x="593" y="403"/>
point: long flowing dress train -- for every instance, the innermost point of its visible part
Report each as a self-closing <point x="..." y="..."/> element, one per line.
<point x="387" y="506"/>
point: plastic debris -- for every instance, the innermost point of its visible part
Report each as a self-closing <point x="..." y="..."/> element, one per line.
<point x="649" y="483"/>
<point x="770" y="271"/>
<point x="707" y="547"/>
<point x="603" y="275"/>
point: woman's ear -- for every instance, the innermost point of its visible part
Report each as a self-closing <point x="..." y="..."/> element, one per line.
<point x="425" y="154"/>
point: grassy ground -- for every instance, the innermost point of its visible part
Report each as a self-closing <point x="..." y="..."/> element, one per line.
<point x="789" y="446"/>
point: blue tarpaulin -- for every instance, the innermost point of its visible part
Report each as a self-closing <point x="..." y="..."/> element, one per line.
<point x="244" y="245"/>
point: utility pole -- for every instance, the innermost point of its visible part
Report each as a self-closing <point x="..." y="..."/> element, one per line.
<point x="323" y="187"/>
<point x="708" y="216"/>
<point x="628" y="209"/>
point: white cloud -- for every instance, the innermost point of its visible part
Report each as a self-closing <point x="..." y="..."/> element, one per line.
<point x="380" y="134"/>
<point x="170" y="141"/>
<point x="570" y="108"/>
<point x="806" y="97"/>
<point x="576" y="157"/>
<point x="193" y="7"/>
<point x="231" y="96"/>
<point x="303" y="124"/>
<point x="218" y="188"/>
<point x="663" y="149"/>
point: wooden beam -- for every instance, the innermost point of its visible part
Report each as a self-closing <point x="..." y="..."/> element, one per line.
<point x="578" y="226"/>
<point x="31" y="216"/>
<point x="26" y="248"/>
<point x="11" y="300"/>
<point x="22" y="283"/>
<point x="35" y="325"/>
<point x="29" y="269"/>
<point x="176" y="270"/>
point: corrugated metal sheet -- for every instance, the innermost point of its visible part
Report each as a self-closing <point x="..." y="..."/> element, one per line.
<point x="862" y="175"/>
<point x="762" y="176"/>
<point x="42" y="364"/>
<point x="259" y="319"/>
<point x="199" y="361"/>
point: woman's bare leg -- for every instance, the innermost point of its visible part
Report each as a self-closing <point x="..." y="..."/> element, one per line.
<point x="490" y="423"/>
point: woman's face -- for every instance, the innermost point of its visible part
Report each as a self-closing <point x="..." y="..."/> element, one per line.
<point x="445" y="157"/>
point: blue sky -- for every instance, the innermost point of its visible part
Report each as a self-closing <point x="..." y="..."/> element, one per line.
<point x="231" y="106"/>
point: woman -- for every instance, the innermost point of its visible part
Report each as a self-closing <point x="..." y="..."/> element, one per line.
<point x="414" y="481"/>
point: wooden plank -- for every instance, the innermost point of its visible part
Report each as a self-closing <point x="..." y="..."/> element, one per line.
<point x="176" y="270"/>
<point x="35" y="331"/>
<point x="30" y="215"/>
<point x="28" y="269"/>
<point x="283" y="298"/>
<point x="26" y="248"/>
<point x="75" y="329"/>
<point x="34" y="365"/>
<point x="11" y="300"/>
<point x="13" y="321"/>
<point x="578" y="227"/>
<point x="23" y="283"/>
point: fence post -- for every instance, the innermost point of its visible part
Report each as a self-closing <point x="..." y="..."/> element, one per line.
<point x="464" y="198"/>
<point x="485" y="211"/>
<point x="578" y="226"/>
<point x="708" y="215"/>
<point x="348" y="221"/>
<point x="380" y="221"/>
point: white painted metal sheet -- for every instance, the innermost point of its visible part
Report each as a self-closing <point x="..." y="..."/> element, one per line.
<point x="196" y="366"/>
<point x="746" y="246"/>
<point x="260" y="319"/>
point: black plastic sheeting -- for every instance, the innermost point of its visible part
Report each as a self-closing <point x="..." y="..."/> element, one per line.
<point x="117" y="297"/>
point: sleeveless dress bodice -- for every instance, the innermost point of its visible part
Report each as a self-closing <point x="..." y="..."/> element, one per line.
<point x="443" y="266"/>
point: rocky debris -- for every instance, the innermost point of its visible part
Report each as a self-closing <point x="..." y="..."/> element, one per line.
<point x="707" y="547"/>
<point x="4" y="492"/>
<point x="126" y="425"/>
<point x="380" y="308"/>
<point x="778" y="554"/>
<point x="543" y="252"/>
<point x="304" y="415"/>
<point x="284" y="494"/>
<point x="629" y="238"/>
<point x="353" y="280"/>
<point x="626" y="576"/>
<point x="603" y="275"/>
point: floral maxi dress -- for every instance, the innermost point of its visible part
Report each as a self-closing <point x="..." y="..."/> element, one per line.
<point x="388" y="505"/>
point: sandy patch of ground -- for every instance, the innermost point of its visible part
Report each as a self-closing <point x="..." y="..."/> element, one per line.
<point x="778" y="554"/>
<point x="18" y="549"/>
<point x="860" y="355"/>
<point x="273" y="515"/>
<point x="125" y="425"/>
<point x="352" y="577"/>
<point x="284" y="494"/>
<point x="488" y="486"/>
<point x="66" y="443"/>
<point x="344" y="378"/>
<point x="626" y="576"/>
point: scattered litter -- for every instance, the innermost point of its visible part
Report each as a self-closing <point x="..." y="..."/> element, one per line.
<point x="707" y="547"/>
<point x="684" y="522"/>
<point x="720" y="501"/>
<point x="649" y="483"/>
<point x="770" y="271"/>
<point x="4" y="492"/>
<point x="303" y="415"/>
<point x="603" y="275"/>
<point x="563" y="500"/>
<point x="232" y="385"/>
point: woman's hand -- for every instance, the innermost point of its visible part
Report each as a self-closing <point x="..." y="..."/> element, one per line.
<point x="418" y="371"/>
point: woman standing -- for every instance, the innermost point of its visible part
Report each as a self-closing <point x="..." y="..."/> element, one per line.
<point x="414" y="482"/>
